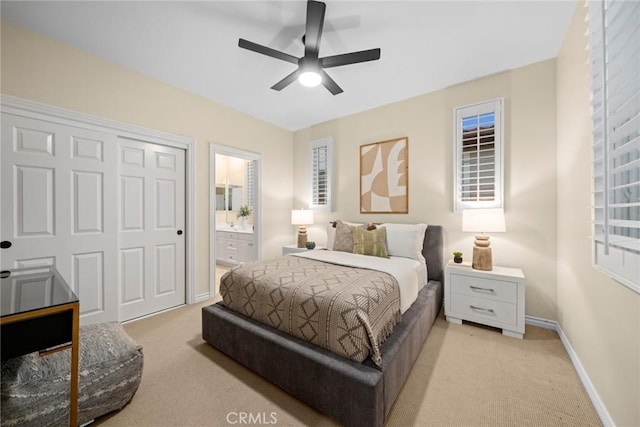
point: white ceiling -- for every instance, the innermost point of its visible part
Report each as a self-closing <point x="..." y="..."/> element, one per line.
<point x="425" y="46"/>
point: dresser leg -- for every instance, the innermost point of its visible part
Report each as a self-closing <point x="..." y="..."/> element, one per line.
<point x="454" y="320"/>
<point x="512" y="334"/>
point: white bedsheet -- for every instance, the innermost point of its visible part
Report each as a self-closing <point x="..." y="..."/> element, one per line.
<point x="408" y="272"/>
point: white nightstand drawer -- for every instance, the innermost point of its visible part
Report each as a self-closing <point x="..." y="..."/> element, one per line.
<point x="481" y="309"/>
<point x="500" y="290"/>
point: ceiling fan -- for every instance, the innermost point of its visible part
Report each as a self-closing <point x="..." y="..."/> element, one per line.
<point x="310" y="71"/>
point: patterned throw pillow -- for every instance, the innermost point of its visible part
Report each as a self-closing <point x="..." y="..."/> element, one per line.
<point x="372" y="242"/>
<point x="343" y="240"/>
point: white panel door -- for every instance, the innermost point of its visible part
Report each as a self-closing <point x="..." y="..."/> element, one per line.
<point x="57" y="207"/>
<point x="151" y="220"/>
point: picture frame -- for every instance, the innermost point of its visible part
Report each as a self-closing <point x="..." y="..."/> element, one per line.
<point x="384" y="176"/>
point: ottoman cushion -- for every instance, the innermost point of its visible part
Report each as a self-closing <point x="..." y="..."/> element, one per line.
<point x="35" y="389"/>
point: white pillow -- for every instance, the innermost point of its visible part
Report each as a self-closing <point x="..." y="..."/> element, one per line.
<point x="405" y="240"/>
<point x="331" y="233"/>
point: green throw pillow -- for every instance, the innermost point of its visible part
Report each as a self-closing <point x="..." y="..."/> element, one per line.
<point x="372" y="242"/>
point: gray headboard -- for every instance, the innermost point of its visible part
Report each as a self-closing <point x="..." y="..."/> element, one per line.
<point x="432" y="251"/>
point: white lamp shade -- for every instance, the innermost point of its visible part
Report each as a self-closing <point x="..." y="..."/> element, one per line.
<point x="301" y="217"/>
<point x="483" y="220"/>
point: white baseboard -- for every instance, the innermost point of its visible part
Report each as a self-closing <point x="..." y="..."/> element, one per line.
<point x="202" y="297"/>
<point x="601" y="410"/>
<point x="541" y="323"/>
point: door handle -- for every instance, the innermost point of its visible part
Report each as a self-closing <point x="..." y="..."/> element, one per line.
<point x="179" y="232"/>
<point x="5" y="244"/>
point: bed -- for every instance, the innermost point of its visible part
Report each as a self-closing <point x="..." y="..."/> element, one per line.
<point x="352" y="393"/>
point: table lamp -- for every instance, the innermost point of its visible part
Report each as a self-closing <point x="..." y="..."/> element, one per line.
<point x="483" y="221"/>
<point x="301" y="218"/>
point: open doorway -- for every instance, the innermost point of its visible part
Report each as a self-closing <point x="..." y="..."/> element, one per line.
<point x="234" y="237"/>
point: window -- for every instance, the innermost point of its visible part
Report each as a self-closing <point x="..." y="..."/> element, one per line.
<point x="615" y="67"/>
<point x="478" y="156"/>
<point x="321" y="174"/>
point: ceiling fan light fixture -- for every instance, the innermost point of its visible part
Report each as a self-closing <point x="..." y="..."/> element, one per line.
<point x="310" y="78"/>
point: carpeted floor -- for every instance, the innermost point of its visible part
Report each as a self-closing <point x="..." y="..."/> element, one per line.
<point x="466" y="375"/>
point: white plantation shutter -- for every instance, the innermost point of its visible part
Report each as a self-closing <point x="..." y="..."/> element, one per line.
<point x="478" y="156"/>
<point x="250" y="182"/>
<point x="321" y="174"/>
<point x="614" y="27"/>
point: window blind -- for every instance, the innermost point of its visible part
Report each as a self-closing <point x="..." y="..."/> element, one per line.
<point x="321" y="173"/>
<point x="478" y="156"/>
<point x="615" y="68"/>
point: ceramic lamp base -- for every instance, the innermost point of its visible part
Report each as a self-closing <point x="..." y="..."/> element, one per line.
<point x="482" y="258"/>
<point x="302" y="237"/>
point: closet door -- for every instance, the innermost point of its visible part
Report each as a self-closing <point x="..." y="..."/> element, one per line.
<point x="151" y="227"/>
<point x="57" y="193"/>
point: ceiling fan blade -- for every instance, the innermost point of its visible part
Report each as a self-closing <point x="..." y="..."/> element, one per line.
<point x="246" y="44"/>
<point x="350" y="58"/>
<point x="330" y="84"/>
<point x="286" y="81"/>
<point x="315" y="22"/>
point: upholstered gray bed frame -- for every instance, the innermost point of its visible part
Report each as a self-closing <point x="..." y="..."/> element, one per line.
<point x="354" y="394"/>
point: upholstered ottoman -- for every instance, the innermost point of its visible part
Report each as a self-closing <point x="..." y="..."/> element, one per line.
<point x="35" y="389"/>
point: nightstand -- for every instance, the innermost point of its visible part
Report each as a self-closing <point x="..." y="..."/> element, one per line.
<point x="494" y="298"/>
<point x="290" y="249"/>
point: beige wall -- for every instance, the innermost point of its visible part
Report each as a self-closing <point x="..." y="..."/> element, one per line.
<point x="41" y="69"/>
<point x="530" y="170"/>
<point x="600" y="316"/>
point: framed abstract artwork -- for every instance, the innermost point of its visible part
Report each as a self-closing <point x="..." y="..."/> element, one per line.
<point x="384" y="176"/>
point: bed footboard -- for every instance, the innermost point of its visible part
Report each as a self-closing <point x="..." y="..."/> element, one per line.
<point x="354" y="394"/>
<point x="316" y="376"/>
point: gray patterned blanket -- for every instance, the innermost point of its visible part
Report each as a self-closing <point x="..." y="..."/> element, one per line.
<point x="349" y="311"/>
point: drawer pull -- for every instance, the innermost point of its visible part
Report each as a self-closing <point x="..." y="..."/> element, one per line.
<point x="478" y="288"/>
<point x="488" y="310"/>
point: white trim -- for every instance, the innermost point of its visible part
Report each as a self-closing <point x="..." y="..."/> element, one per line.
<point x="27" y="108"/>
<point x="541" y="323"/>
<point x="203" y="297"/>
<point x="257" y="207"/>
<point x="635" y="287"/>
<point x="212" y="222"/>
<point x="190" y="201"/>
<point x="601" y="410"/>
<point x="146" y="316"/>
<point x="36" y="110"/>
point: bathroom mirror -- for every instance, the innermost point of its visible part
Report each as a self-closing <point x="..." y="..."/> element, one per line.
<point x="220" y="198"/>
<point x="228" y="198"/>
<point x="234" y="197"/>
